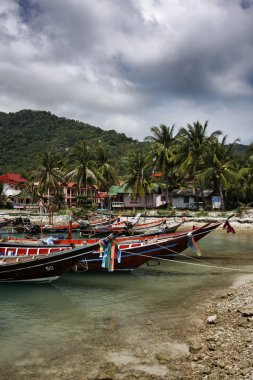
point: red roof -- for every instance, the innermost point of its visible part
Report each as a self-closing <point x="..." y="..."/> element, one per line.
<point x="71" y="184"/>
<point x="102" y="194"/>
<point x="13" y="178"/>
<point x="156" y="175"/>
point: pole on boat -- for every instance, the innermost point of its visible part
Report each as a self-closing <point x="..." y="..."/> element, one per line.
<point x="110" y="210"/>
<point x="70" y="225"/>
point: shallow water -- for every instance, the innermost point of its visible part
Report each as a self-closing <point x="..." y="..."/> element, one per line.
<point x="72" y="327"/>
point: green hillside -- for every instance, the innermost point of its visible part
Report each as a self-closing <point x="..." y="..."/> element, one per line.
<point x="25" y="134"/>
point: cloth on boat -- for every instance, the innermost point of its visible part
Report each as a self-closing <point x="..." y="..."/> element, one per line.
<point x="109" y="252"/>
<point x="193" y="245"/>
<point x="50" y="240"/>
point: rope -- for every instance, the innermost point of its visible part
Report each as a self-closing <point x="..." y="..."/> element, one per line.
<point x="185" y="262"/>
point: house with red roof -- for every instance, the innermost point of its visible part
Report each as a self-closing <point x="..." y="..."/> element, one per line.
<point x="71" y="191"/>
<point x="13" y="183"/>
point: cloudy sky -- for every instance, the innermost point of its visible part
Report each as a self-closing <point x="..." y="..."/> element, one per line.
<point x="131" y="64"/>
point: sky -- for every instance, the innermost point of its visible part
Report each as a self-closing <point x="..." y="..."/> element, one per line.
<point x="129" y="65"/>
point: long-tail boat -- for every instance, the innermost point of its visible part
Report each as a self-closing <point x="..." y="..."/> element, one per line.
<point x="41" y="268"/>
<point x="130" y="229"/>
<point x="134" y="253"/>
<point x="5" y="222"/>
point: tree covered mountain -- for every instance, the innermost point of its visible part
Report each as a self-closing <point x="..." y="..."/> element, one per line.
<point x="25" y="134"/>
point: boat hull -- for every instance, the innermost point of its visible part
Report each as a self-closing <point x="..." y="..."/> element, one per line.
<point x="41" y="267"/>
<point x="137" y="254"/>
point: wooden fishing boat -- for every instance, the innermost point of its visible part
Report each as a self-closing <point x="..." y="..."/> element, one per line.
<point x="11" y="244"/>
<point x="135" y="254"/>
<point x="138" y="225"/>
<point x="41" y="268"/>
<point x="48" y="229"/>
<point x="134" y="251"/>
<point x="5" y="222"/>
<point x="33" y="246"/>
<point x="129" y="229"/>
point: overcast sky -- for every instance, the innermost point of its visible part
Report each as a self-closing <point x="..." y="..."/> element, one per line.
<point x="129" y="65"/>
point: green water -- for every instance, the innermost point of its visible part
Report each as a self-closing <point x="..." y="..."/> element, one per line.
<point x="68" y="329"/>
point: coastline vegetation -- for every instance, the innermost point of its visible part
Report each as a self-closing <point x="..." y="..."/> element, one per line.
<point x="62" y="150"/>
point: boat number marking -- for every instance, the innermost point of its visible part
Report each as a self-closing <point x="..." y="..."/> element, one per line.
<point x="50" y="267"/>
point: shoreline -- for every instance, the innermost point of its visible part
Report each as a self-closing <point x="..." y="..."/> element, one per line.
<point x="242" y="223"/>
<point x="216" y="343"/>
<point x="221" y="347"/>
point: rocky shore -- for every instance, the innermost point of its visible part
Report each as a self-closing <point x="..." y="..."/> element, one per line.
<point x="220" y="346"/>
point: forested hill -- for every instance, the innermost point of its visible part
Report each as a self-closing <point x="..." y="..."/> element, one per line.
<point x="25" y="134"/>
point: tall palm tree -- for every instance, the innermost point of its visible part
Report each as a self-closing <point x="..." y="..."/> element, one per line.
<point x="30" y="190"/>
<point x="3" y="197"/>
<point x="162" y="151"/>
<point x="193" y="143"/>
<point x="222" y="167"/>
<point x="139" y="173"/>
<point x="81" y="165"/>
<point x="49" y="174"/>
<point x="106" y="173"/>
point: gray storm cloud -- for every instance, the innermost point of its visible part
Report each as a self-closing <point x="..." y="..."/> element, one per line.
<point x="128" y="65"/>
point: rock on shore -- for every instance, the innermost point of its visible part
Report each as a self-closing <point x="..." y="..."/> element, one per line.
<point x="226" y="340"/>
<point x="219" y="347"/>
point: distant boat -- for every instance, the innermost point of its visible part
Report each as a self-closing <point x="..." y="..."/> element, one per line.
<point x="5" y="222"/>
<point x="128" y="228"/>
<point x="41" y="268"/>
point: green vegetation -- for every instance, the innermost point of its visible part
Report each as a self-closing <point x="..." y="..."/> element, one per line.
<point x="50" y="151"/>
<point x="26" y="134"/>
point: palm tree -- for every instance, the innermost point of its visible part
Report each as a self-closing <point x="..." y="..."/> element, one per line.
<point x="81" y="166"/>
<point x="48" y="177"/>
<point x="30" y="190"/>
<point x="106" y="173"/>
<point x="3" y="197"/>
<point x="222" y="168"/>
<point x="162" y="151"/>
<point x="193" y="143"/>
<point x="139" y="173"/>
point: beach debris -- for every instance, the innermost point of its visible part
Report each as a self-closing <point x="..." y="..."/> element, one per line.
<point x="246" y="311"/>
<point x="212" y="319"/>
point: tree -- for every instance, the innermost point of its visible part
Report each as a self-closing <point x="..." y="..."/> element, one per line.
<point x="3" y="198"/>
<point x="139" y="173"/>
<point x="162" y="151"/>
<point x="81" y="165"/>
<point x="222" y="167"/>
<point x="106" y="173"/>
<point x="49" y="176"/>
<point x="194" y="142"/>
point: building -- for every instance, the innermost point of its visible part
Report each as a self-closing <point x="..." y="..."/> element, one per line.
<point x="70" y="192"/>
<point x="123" y="197"/>
<point x="13" y="183"/>
<point x="186" y="198"/>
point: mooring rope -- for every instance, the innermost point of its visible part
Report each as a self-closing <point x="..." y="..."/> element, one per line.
<point x="185" y="262"/>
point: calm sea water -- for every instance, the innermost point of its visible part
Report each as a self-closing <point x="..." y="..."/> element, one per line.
<point x="68" y="329"/>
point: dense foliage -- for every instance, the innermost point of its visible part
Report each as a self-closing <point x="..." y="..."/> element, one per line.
<point x="24" y="135"/>
<point x="50" y="151"/>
